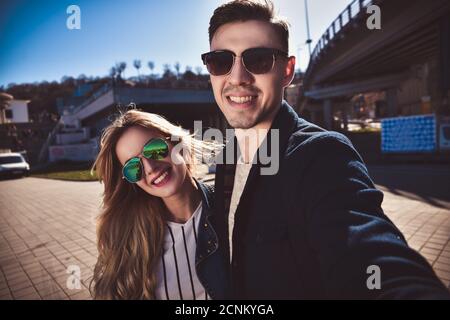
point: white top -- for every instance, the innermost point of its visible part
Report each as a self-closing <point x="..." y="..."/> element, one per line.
<point x="176" y="275"/>
<point x="244" y="137"/>
<point x="240" y="178"/>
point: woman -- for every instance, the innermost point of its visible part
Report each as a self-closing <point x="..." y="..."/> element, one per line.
<point x="155" y="238"/>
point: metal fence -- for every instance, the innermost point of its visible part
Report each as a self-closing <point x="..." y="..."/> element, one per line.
<point x="352" y="12"/>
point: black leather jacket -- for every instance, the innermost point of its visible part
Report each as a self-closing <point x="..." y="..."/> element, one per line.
<point x="210" y="259"/>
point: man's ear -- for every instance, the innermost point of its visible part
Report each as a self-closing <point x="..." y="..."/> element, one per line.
<point x="289" y="71"/>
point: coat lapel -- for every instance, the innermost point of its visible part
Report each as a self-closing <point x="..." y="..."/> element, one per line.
<point x="285" y="122"/>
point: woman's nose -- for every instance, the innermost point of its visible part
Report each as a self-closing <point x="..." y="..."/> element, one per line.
<point x="149" y="165"/>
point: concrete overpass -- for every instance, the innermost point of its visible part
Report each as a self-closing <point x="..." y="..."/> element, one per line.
<point x="181" y="106"/>
<point x="408" y="59"/>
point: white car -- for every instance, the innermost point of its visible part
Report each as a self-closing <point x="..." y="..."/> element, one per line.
<point x="13" y="164"/>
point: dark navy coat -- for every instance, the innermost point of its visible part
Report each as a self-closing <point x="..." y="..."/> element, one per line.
<point x="316" y="229"/>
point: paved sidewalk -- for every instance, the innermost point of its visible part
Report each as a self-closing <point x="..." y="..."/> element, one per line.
<point x="48" y="226"/>
<point x="425" y="226"/>
<point x="45" y="227"/>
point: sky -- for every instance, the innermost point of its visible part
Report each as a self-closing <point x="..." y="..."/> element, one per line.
<point x="36" y="45"/>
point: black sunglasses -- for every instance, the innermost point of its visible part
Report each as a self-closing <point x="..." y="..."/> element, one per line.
<point x="255" y="60"/>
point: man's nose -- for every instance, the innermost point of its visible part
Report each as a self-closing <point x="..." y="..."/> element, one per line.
<point x="239" y="74"/>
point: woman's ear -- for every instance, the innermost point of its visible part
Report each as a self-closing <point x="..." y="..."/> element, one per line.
<point x="289" y="71"/>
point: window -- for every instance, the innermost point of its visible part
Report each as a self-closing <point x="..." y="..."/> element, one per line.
<point x="11" y="159"/>
<point x="8" y="114"/>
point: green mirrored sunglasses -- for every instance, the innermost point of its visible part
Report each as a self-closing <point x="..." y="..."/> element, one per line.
<point x="155" y="149"/>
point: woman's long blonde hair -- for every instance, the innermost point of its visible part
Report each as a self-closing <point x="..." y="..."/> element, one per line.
<point x="130" y="227"/>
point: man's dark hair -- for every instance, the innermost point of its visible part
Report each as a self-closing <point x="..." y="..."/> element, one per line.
<point x="245" y="10"/>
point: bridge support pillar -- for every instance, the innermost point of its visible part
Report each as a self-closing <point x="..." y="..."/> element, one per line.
<point x="391" y="100"/>
<point x="345" y="116"/>
<point x="444" y="64"/>
<point x="327" y="114"/>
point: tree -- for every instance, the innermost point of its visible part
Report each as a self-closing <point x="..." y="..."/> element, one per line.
<point x="137" y="65"/>
<point x="198" y="70"/>
<point x="188" y="74"/>
<point x="120" y="67"/>
<point x="113" y="74"/>
<point x="166" y="70"/>
<point x="82" y="78"/>
<point x="151" y="66"/>
<point x="68" y="81"/>
<point x="177" y="69"/>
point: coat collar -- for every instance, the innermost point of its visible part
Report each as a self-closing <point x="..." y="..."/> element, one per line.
<point x="285" y="121"/>
<point x="207" y="193"/>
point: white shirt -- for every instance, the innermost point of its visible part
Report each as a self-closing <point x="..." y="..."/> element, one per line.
<point x="241" y="174"/>
<point x="176" y="275"/>
<point x="240" y="178"/>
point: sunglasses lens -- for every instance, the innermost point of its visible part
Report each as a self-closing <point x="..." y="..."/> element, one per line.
<point x="259" y="60"/>
<point x="156" y="149"/>
<point x="132" y="170"/>
<point x="219" y="63"/>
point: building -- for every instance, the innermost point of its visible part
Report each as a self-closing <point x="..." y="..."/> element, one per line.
<point x="16" y="111"/>
<point x="78" y="131"/>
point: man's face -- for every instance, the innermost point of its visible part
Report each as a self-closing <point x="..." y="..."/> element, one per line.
<point x="250" y="100"/>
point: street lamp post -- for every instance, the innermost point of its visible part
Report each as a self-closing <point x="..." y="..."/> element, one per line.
<point x="308" y="41"/>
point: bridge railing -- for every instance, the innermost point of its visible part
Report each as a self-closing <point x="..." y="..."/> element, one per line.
<point x="351" y="12"/>
<point x="103" y="89"/>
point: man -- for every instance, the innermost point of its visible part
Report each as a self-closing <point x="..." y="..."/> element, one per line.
<point x="315" y="229"/>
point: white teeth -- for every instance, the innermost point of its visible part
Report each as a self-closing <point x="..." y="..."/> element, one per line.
<point x="161" y="178"/>
<point x="241" y="99"/>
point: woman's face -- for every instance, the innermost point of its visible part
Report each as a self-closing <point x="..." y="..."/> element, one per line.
<point x="160" y="178"/>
